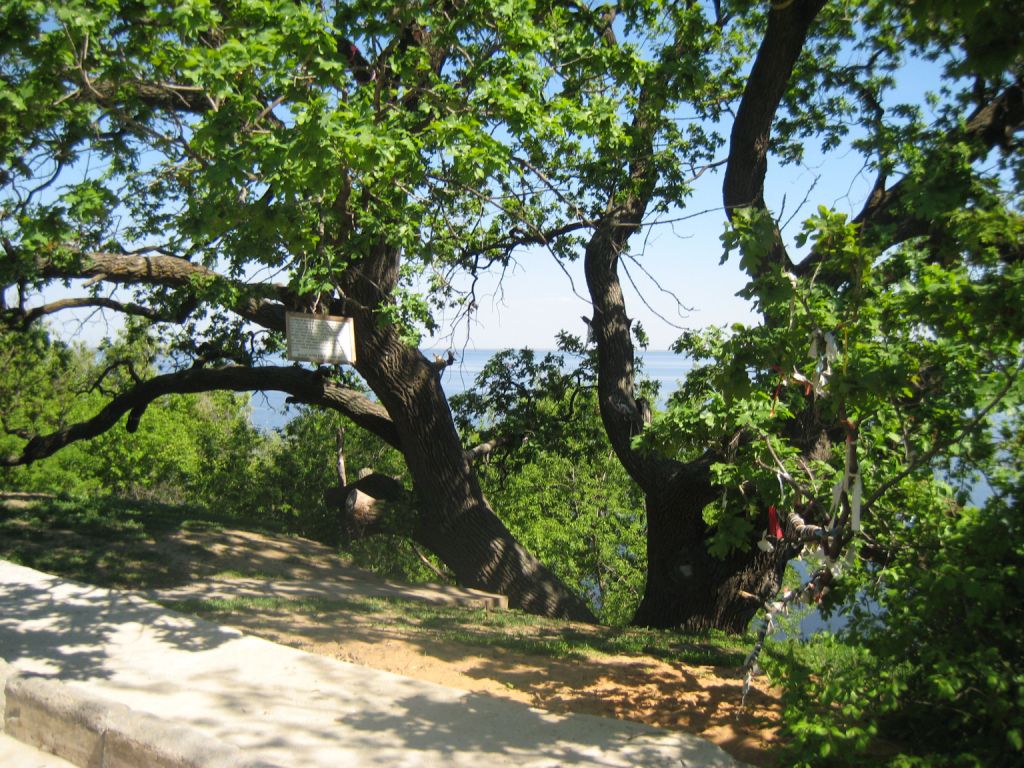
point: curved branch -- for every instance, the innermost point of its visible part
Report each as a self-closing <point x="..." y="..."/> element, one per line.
<point x="27" y="317"/>
<point x="304" y="386"/>
<point x="610" y="327"/>
<point x="494" y="444"/>
<point x="174" y="271"/>
<point x="992" y="125"/>
<point x="622" y="417"/>
<point x="788" y="27"/>
<point x="171" y="97"/>
<point x="518" y="238"/>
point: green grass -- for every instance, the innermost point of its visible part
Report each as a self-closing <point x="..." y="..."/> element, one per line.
<point x="106" y="541"/>
<point x="109" y="542"/>
<point x="508" y="630"/>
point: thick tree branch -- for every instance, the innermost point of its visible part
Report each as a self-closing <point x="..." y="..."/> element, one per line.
<point x="886" y="211"/>
<point x="173" y="271"/>
<point x="170" y="97"/>
<point x="610" y="327"/>
<point x="129" y="268"/>
<point x="490" y="446"/>
<point x="27" y="317"/>
<point x="623" y="418"/>
<point x="990" y="126"/>
<point x="788" y="27"/>
<point x="304" y="386"/>
<point x="996" y="124"/>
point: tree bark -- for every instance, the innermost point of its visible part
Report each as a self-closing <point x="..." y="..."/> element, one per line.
<point x="303" y="386"/>
<point x="480" y="551"/>
<point x="453" y="519"/>
<point x="687" y="587"/>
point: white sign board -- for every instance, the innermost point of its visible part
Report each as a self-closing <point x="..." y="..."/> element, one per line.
<point x="320" y="338"/>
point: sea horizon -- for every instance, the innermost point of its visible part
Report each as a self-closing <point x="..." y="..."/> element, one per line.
<point x="665" y="367"/>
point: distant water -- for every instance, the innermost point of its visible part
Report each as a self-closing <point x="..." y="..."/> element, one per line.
<point x="667" y="368"/>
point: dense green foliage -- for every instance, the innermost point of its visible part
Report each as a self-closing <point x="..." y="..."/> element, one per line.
<point x="873" y="402"/>
<point x="933" y="668"/>
<point x="381" y="157"/>
<point x="264" y="142"/>
<point x="878" y="392"/>
<point x="195" y="449"/>
<point x="189" y="447"/>
<point x="557" y="483"/>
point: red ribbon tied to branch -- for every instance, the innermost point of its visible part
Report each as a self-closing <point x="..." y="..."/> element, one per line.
<point x="773" y="523"/>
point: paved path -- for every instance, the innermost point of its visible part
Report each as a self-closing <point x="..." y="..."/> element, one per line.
<point x="290" y="708"/>
<point x="14" y="754"/>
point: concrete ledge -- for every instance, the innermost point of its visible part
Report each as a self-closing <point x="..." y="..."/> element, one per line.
<point x="15" y="754"/>
<point x="91" y="732"/>
<point x="56" y="719"/>
<point x="6" y="670"/>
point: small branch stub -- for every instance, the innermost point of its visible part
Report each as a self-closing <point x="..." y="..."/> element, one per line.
<point x="320" y="338"/>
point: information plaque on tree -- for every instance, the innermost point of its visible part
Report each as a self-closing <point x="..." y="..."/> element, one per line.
<point x="320" y="338"/>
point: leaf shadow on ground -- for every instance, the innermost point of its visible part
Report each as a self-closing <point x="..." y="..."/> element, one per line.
<point x="71" y="626"/>
<point x="299" y="593"/>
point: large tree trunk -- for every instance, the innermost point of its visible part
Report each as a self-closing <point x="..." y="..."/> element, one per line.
<point x="687" y="587"/>
<point x="452" y="517"/>
<point x="454" y="520"/>
<point x="375" y="504"/>
<point x="483" y="554"/>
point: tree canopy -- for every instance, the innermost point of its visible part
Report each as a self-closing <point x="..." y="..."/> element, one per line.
<point x="207" y="166"/>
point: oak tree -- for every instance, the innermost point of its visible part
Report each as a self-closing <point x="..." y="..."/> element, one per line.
<point x="210" y="165"/>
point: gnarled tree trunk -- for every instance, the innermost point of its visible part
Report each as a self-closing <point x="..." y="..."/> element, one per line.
<point x="453" y="519"/>
<point x="686" y="586"/>
<point x="689" y="588"/>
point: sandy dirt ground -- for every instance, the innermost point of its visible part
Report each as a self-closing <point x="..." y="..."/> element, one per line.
<point x="699" y="699"/>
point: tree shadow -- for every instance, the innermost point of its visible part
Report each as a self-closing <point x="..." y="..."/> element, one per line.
<point x="336" y="714"/>
<point x="479" y="723"/>
<point x="290" y="707"/>
<point x="61" y="629"/>
<point x="652" y="691"/>
<point x="657" y="693"/>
